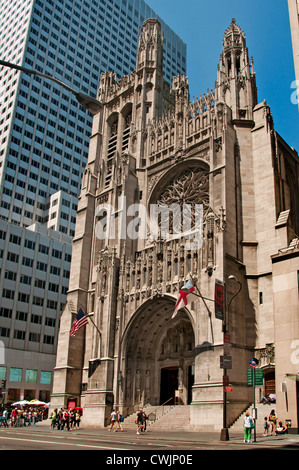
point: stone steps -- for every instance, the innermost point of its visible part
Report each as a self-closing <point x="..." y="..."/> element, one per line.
<point x="262" y="411"/>
<point x="177" y="418"/>
<point x="163" y="418"/>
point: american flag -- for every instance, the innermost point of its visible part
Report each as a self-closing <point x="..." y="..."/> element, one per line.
<point x="182" y="301"/>
<point x="80" y="321"/>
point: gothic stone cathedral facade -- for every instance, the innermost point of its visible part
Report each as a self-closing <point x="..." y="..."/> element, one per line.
<point x="150" y="147"/>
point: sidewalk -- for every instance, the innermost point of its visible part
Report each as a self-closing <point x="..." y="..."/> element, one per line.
<point x="198" y="437"/>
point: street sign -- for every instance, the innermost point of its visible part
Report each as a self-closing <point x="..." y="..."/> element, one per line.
<point x="253" y="362"/>
<point x="249" y="377"/>
<point x="259" y="376"/>
<point x="226" y="338"/>
<point x="225" y="362"/>
<point x="228" y="389"/>
<point x="254" y="377"/>
<point x="219" y="299"/>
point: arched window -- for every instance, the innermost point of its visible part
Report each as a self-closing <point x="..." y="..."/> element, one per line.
<point x="112" y="146"/>
<point x="112" y="132"/>
<point x="126" y="131"/>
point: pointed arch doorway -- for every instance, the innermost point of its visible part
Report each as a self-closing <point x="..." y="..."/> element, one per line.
<point x="157" y="355"/>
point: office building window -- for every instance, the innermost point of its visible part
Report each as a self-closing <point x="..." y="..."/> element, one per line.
<point x="2" y="372"/>
<point x="45" y="377"/>
<point x="31" y="376"/>
<point x="15" y="374"/>
<point x="19" y="334"/>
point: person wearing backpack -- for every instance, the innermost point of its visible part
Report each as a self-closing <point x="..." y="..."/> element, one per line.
<point x="119" y="420"/>
<point x="248" y="426"/>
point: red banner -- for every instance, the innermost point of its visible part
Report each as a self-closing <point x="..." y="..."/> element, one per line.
<point x="219" y="299"/>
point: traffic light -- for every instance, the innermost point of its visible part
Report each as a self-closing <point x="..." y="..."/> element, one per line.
<point x="3" y="383"/>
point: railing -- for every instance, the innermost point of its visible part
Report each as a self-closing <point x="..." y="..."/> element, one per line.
<point x="153" y="415"/>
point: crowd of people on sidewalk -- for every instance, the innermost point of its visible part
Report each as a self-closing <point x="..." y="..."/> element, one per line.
<point x="19" y="417"/>
<point x="64" y="418"/>
<point x="70" y="419"/>
<point x="270" y="426"/>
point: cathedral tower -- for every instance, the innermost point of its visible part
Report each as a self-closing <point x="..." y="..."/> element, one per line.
<point x="173" y="190"/>
<point x="236" y="83"/>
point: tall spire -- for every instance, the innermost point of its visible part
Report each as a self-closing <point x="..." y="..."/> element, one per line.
<point x="150" y="49"/>
<point x="236" y="79"/>
<point x="149" y="81"/>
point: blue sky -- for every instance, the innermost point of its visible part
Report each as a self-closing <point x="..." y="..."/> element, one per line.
<point x="201" y="25"/>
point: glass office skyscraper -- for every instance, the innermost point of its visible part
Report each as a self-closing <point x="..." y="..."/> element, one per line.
<point x="44" y="139"/>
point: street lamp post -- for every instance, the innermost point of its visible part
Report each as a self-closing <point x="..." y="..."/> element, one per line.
<point x="88" y="102"/>
<point x="224" y="436"/>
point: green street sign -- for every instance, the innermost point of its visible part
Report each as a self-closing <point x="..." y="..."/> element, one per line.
<point x="259" y="377"/>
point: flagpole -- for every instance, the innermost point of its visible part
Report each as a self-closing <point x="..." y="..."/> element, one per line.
<point x="203" y="299"/>
<point x="88" y="316"/>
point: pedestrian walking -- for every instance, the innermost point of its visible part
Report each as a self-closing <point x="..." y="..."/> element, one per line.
<point x="113" y="418"/>
<point x="4" y="418"/>
<point x="14" y="415"/>
<point x="77" y="419"/>
<point x="272" y="419"/>
<point x="29" y="417"/>
<point x="248" y="426"/>
<point x="59" y="418"/>
<point x="139" y="421"/>
<point x="34" y="417"/>
<point x="53" y="418"/>
<point x="72" y="419"/>
<point x="119" y="420"/>
<point x="145" y="418"/>
<point x="65" y="420"/>
<point x="24" y="417"/>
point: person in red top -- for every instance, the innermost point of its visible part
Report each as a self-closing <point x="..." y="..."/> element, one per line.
<point x="14" y="415"/>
